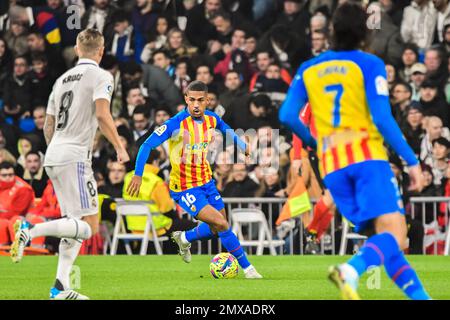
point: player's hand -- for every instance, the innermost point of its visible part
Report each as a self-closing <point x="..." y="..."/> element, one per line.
<point x="122" y="156"/>
<point x="135" y="185"/>
<point x="416" y="177"/>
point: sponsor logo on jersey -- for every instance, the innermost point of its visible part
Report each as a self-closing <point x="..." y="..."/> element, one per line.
<point x="161" y="130"/>
<point x="217" y="197"/>
<point x="381" y="86"/>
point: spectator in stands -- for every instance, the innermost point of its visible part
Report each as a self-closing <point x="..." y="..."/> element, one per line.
<point x="178" y="45"/>
<point x="263" y="60"/>
<point x="122" y="44"/>
<point x="215" y="104"/>
<point x="181" y="76"/>
<point x="240" y="185"/>
<point x="110" y="64"/>
<point x="157" y="38"/>
<point x="199" y="28"/>
<point x="141" y="121"/>
<point x="272" y="83"/>
<point x="434" y="129"/>
<point x="134" y="98"/>
<point x="41" y="80"/>
<point x="412" y="129"/>
<point x="6" y="64"/>
<point x="250" y="48"/>
<point x="6" y="156"/>
<point x="204" y="74"/>
<point x="144" y="19"/>
<point x="16" y="37"/>
<point x="401" y="93"/>
<point x="39" y="120"/>
<point x="48" y="207"/>
<point x="410" y="56"/>
<point x="437" y="69"/>
<point x="433" y="102"/>
<point x="443" y="17"/>
<point x="391" y="74"/>
<point x="295" y="16"/>
<point x="418" y="24"/>
<point x="439" y="160"/>
<point x="27" y="143"/>
<point x="235" y="57"/>
<point x="17" y="91"/>
<point x="38" y="45"/>
<point x="288" y="49"/>
<point x="446" y="41"/>
<point x="429" y="190"/>
<point x="418" y="71"/>
<point x="222" y="169"/>
<point x="16" y="197"/>
<point x="319" y="42"/>
<point x="99" y="16"/>
<point x="160" y="86"/>
<point x="115" y="181"/>
<point x="161" y="59"/>
<point x="34" y="173"/>
<point x="234" y="89"/>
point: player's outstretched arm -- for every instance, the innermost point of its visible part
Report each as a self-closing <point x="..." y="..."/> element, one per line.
<point x="156" y="138"/>
<point x="229" y="133"/>
<point x="289" y="113"/>
<point x="108" y="128"/>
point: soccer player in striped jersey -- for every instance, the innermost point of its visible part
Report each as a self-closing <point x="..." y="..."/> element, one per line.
<point x="349" y="98"/>
<point x="191" y="184"/>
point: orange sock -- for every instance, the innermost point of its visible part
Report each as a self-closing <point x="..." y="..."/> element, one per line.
<point x="324" y="223"/>
<point x="320" y="210"/>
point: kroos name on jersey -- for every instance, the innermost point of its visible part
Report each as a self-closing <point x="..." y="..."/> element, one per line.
<point x="74" y="77"/>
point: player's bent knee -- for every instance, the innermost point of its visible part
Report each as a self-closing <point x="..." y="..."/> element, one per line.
<point x="221" y="225"/>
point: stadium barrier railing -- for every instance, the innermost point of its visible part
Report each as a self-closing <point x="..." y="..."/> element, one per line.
<point x="423" y="207"/>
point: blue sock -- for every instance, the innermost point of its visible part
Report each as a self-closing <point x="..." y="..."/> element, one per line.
<point x="378" y="249"/>
<point x="202" y="231"/>
<point x="405" y="277"/>
<point x="232" y="244"/>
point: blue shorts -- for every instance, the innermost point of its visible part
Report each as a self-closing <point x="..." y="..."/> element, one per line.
<point x="364" y="191"/>
<point x="195" y="199"/>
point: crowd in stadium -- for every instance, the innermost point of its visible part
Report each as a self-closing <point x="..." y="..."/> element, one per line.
<point x="247" y="52"/>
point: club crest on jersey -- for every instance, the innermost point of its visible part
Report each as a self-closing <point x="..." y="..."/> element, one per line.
<point x="109" y="89"/>
<point x="381" y="86"/>
<point x="161" y="130"/>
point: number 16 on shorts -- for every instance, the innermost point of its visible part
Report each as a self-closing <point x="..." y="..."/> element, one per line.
<point x="189" y="200"/>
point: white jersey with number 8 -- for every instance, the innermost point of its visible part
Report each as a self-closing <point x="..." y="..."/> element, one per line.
<point x="72" y="102"/>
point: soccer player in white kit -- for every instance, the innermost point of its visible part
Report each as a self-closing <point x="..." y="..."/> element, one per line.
<point x="77" y="106"/>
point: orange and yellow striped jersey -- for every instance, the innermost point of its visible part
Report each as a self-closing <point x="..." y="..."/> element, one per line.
<point x="336" y="87"/>
<point x="189" y="140"/>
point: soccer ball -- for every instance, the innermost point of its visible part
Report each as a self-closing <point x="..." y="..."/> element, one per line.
<point x="224" y="265"/>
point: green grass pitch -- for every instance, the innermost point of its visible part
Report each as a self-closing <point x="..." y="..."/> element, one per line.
<point x="167" y="277"/>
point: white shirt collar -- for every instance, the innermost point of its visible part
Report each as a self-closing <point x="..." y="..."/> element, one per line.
<point x="86" y="61"/>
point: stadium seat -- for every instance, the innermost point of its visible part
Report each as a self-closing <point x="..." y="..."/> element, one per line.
<point x="135" y="208"/>
<point x="241" y="216"/>
<point x="346" y="235"/>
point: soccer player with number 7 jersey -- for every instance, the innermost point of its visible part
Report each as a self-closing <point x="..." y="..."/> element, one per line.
<point x="349" y="97"/>
<point x="191" y="184"/>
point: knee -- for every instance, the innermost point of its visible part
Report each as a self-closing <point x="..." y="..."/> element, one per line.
<point x="221" y="225"/>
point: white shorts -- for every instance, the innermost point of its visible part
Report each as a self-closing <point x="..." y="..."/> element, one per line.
<point x="75" y="188"/>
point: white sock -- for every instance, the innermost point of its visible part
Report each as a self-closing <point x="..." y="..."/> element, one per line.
<point x="249" y="268"/>
<point x="68" y="252"/>
<point x="183" y="238"/>
<point x="62" y="228"/>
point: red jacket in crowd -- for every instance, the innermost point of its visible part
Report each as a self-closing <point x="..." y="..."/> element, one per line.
<point x="16" y="198"/>
<point x="48" y="207"/>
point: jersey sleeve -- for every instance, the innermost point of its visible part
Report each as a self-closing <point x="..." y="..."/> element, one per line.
<point x="51" y="105"/>
<point x="229" y="133"/>
<point x="104" y="87"/>
<point x="377" y="92"/>
<point x="290" y="110"/>
<point x="158" y="136"/>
